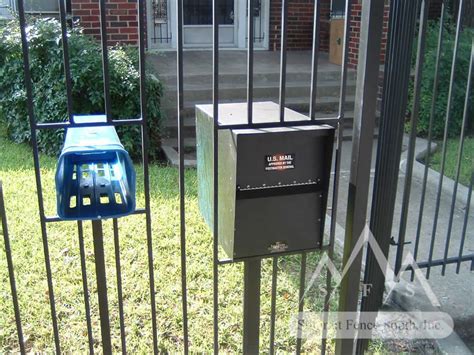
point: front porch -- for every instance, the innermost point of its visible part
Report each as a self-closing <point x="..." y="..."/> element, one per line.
<point x="235" y="62"/>
<point x="233" y="86"/>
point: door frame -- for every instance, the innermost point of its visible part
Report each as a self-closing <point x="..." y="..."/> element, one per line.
<point x="242" y="24"/>
<point x="240" y="27"/>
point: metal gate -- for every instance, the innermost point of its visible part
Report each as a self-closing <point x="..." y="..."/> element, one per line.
<point x="461" y="255"/>
<point x="412" y="229"/>
<point x="403" y="18"/>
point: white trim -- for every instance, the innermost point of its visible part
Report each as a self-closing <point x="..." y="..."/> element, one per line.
<point x="172" y="19"/>
<point x="241" y="6"/>
<point x="266" y="24"/>
<point x="242" y="30"/>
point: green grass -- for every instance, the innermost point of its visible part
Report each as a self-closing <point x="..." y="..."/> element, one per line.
<point x="17" y="173"/>
<point x="467" y="163"/>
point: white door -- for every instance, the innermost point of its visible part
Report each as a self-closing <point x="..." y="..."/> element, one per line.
<point x="197" y="21"/>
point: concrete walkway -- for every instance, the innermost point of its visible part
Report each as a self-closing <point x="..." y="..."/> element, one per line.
<point x="455" y="292"/>
<point x="235" y="62"/>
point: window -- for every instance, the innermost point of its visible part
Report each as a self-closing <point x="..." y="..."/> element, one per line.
<point x="199" y="12"/>
<point x="338" y="8"/>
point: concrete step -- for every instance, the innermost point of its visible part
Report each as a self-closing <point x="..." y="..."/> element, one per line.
<point x="173" y="142"/>
<point x="259" y="78"/>
<point x="196" y="92"/>
<point x="325" y="105"/>
<point x="172" y="156"/>
<point x="189" y="124"/>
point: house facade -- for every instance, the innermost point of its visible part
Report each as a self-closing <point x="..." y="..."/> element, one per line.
<point x="122" y="23"/>
<point x="197" y="20"/>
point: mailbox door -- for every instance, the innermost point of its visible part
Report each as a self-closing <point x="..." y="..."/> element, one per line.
<point x="282" y="182"/>
<point x="268" y="225"/>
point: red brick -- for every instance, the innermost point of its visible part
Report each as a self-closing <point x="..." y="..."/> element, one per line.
<point x="300" y="24"/>
<point x="128" y="18"/>
<point x="117" y="12"/>
<point x="92" y="31"/>
<point x="89" y="6"/>
<point x="118" y="24"/>
<point x="81" y="13"/>
<point x="119" y="37"/>
<point x="129" y="30"/>
<point x="89" y="18"/>
<point x="127" y="6"/>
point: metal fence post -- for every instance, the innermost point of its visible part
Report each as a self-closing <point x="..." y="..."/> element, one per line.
<point x="99" y="254"/>
<point x="402" y="24"/>
<point x="252" y="275"/>
<point x="11" y="271"/>
<point x="364" y="122"/>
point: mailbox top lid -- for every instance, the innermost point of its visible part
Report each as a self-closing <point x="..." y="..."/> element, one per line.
<point x="318" y="130"/>
<point x="90" y="138"/>
<point x="263" y="112"/>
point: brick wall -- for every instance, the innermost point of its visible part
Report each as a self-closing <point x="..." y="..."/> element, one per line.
<point x="300" y="24"/>
<point x="122" y="19"/>
<point x="122" y="23"/>
<point x="355" y="34"/>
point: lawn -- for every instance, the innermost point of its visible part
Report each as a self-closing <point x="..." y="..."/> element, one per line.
<point x="467" y="163"/>
<point x="17" y="174"/>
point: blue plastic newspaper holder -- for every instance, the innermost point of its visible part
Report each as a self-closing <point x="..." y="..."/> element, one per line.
<point x="95" y="177"/>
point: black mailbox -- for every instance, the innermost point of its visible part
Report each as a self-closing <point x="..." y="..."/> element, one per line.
<point x="273" y="182"/>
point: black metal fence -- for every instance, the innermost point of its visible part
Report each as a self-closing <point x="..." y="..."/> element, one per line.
<point x="414" y="229"/>
<point x="96" y="225"/>
<point x="365" y="111"/>
<point x="462" y="255"/>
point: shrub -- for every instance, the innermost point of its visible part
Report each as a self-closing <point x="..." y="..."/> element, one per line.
<point x="460" y="82"/>
<point x="49" y="91"/>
